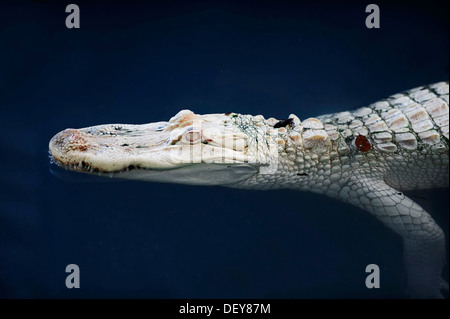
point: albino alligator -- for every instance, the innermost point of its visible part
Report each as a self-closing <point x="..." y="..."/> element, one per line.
<point x="365" y="157"/>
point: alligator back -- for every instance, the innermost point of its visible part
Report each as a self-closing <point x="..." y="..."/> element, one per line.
<point x="409" y="133"/>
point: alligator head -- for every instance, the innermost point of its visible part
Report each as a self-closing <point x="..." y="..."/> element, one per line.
<point x="214" y="149"/>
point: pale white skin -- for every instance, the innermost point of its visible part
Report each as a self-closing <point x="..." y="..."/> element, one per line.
<point x="366" y="158"/>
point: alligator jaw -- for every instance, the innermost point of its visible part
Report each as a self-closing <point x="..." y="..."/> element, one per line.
<point x="178" y="148"/>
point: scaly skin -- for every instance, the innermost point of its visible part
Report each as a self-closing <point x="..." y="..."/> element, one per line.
<point x="365" y="158"/>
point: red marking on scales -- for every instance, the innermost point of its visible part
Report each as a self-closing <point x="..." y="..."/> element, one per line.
<point x="362" y="143"/>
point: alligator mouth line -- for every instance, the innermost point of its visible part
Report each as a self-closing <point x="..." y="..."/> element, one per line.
<point x="83" y="167"/>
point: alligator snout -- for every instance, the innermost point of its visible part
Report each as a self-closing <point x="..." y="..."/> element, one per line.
<point x="69" y="140"/>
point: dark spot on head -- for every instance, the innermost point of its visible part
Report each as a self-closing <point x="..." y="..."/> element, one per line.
<point x="117" y="128"/>
<point x="228" y="113"/>
<point x="362" y="143"/>
<point x="124" y="144"/>
<point x="400" y="193"/>
<point x="284" y="123"/>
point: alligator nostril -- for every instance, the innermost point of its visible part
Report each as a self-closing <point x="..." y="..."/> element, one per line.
<point x="70" y="140"/>
<point x="70" y="132"/>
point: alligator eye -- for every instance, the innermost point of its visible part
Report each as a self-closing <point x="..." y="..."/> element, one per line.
<point x="193" y="136"/>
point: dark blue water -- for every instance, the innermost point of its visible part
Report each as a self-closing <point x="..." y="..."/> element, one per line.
<point x="141" y="62"/>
